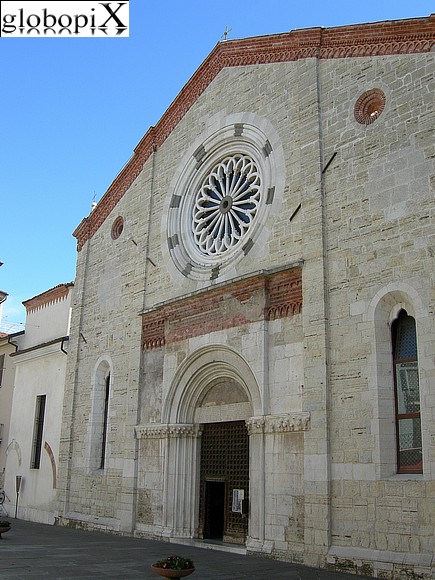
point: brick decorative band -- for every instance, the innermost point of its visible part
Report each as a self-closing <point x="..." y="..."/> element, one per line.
<point x="153" y="331"/>
<point x="51" y="296"/>
<point x="263" y="297"/>
<point x="411" y="36"/>
<point x="284" y="295"/>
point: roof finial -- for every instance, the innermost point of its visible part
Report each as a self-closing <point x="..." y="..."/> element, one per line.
<point x="226" y="32"/>
<point x="94" y="203"/>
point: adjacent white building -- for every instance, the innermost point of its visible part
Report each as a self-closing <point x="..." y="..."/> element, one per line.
<point x="7" y="376"/>
<point x="32" y="452"/>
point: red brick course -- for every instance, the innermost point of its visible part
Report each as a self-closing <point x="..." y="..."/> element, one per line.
<point x="375" y="39"/>
<point x="285" y="295"/>
<point x="263" y="297"/>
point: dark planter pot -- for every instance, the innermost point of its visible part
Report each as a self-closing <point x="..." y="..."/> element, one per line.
<point x="4" y="529"/>
<point x="167" y="573"/>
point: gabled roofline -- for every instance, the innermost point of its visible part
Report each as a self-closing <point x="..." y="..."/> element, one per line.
<point x="410" y="36"/>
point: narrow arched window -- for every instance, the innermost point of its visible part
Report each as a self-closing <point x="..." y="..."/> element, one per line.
<point x="407" y="395"/>
<point x="105" y="422"/>
<point x="99" y="420"/>
<point x="37" y="432"/>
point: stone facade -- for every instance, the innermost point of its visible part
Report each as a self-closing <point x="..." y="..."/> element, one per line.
<point x="290" y="329"/>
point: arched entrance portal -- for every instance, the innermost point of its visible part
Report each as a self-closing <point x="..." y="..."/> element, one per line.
<point x="212" y="395"/>
<point x="224" y="465"/>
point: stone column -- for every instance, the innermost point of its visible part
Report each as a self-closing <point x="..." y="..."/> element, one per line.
<point x="255" y="539"/>
<point x="181" y="481"/>
<point x="179" y="471"/>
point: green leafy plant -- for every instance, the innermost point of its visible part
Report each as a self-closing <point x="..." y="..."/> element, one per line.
<point x="175" y="563"/>
<point x="4" y="524"/>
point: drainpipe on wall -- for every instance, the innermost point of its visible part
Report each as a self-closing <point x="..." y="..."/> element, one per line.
<point x="64" y="339"/>
<point x="11" y="336"/>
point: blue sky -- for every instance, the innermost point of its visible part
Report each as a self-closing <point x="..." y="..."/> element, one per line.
<point x="73" y="109"/>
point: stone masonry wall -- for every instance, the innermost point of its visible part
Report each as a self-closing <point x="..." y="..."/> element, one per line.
<point x="360" y="230"/>
<point x="379" y="193"/>
<point x="106" y="326"/>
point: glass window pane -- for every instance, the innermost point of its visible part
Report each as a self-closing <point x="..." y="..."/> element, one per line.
<point x="408" y="395"/>
<point x="406" y="339"/>
<point x="37" y="432"/>
<point x="410" y="449"/>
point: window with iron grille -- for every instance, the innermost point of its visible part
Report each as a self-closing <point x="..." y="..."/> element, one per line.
<point x="407" y="395"/>
<point x="38" y="431"/>
<point x="225" y="459"/>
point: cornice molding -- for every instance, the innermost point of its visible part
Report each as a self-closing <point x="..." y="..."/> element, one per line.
<point x="38" y="350"/>
<point x="390" y="37"/>
<point x="164" y="431"/>
<point x="285" y="423"/>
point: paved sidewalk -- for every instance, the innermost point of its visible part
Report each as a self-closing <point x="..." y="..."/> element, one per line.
<point x="39" y="551"/>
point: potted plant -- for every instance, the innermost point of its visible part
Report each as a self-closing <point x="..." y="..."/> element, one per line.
<point x="174" y="567"/>
<point x="5" y="526"/>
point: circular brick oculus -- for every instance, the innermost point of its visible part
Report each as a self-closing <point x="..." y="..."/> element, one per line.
<point x="117" y="227"/>
<point x="369" y="106"/>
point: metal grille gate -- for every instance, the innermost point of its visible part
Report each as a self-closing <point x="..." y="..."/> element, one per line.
<point x="224" y="467"/>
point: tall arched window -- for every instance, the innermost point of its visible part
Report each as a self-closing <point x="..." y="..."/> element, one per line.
<point x="105" y="422"/>
<point x="407" y="395"/>
<point x="99" y="425"/>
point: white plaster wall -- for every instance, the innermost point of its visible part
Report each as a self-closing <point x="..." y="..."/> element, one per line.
<point x="6" y="392"/>
<point x="40" y="370"/>
<point x="40" y="374"/>
<point x="47" y="322"/>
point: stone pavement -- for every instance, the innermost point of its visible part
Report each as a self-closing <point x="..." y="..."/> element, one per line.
<point x="32" y="550"/>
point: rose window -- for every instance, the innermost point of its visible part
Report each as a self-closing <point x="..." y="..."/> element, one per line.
<point x="221" y="196"/>
<point x="226" y="204"/>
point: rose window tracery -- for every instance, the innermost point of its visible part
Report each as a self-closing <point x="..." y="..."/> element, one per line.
<point x="226" y="204"/>
<point x="221" y="196"/>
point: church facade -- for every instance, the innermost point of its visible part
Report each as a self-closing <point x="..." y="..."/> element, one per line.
<point x="251" y="347"/>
